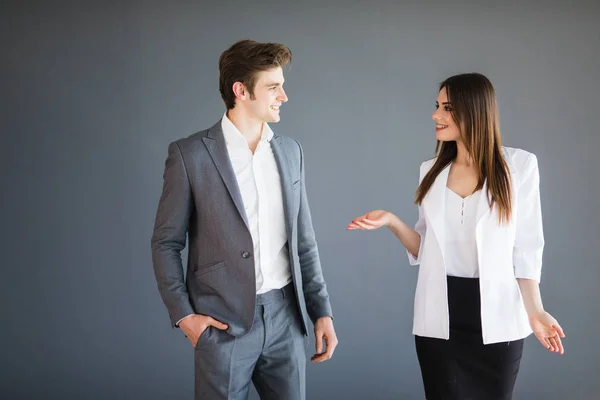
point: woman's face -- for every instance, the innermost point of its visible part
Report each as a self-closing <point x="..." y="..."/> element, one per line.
<point x="446" y="129"/>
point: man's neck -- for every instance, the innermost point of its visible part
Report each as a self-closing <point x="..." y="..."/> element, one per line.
<point x="250" y="129"/>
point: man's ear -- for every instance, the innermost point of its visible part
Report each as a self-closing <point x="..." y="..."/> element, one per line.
<point x="240" y="91"/>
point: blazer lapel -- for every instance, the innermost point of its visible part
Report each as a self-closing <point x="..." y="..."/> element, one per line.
<point x="217" y="148"/>
<point x="483" y="205"/>
<point x="286" y="181"/>
<point x="435" y="208"/>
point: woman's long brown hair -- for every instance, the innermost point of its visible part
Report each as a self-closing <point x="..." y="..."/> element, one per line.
<point x="475" y="112"/>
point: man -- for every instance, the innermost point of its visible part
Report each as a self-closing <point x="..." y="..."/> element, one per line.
<point x="253" y="273"/>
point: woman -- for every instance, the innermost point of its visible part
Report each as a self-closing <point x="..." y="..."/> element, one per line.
<point x="479" y="242"/>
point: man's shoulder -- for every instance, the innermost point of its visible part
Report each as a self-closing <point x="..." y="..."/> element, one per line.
<point x="288" y="143"/>
<point x="191" y="139"/>
<point x="195" y="138"/>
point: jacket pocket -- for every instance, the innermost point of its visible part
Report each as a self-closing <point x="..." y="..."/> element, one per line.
<point x="206" y="268"/>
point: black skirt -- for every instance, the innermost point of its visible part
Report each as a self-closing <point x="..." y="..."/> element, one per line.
<point x="463" y="368"/>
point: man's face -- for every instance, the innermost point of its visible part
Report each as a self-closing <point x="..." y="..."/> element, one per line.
<point x="268" y="96"/>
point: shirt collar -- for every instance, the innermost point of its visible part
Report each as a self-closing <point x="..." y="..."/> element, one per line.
<point x="233" y="137"/>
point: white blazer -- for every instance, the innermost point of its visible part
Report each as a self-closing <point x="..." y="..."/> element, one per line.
<point x="505" y="252"/>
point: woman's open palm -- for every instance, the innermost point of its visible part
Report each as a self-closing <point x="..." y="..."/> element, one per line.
<point x="548" y="331"/>
<point x="372" y="220"/>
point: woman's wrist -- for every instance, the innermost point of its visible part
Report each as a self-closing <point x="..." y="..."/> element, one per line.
<point x="392" y="220"/>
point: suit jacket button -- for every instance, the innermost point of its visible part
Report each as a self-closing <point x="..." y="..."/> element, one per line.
<point x="245" y="254"/>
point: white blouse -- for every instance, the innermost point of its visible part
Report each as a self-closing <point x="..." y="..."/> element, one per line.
<point x="461" y="246"/>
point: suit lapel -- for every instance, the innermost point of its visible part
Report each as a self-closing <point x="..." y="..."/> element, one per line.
<point x="286" y="181"/>
<point x="217" y="148"/>
<point x="435" y="207"/>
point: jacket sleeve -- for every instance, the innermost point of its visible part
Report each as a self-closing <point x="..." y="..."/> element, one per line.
<point x="169" y="237"/>
<point x="529" y="236"/>
<point x="313" y="283"/>
<point x="420" y="226"/>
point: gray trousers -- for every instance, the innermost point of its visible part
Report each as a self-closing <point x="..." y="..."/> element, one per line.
<point x="272" y="355"/>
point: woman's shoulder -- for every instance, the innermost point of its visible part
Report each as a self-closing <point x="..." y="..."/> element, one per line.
<point x="518" y="159"/>
<point x="426" y="165"/>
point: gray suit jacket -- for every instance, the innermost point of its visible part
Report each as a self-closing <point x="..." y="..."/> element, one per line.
<point x="201" y="198"/>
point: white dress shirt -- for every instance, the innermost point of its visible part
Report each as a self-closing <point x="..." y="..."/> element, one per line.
<point x="260" y="186"/>
<point x="461" y="244"/>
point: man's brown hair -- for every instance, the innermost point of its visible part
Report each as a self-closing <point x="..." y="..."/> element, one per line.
<point x="243" y="61"/>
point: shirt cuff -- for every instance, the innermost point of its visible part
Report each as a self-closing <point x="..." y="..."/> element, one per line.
<point x="177" y="323"/>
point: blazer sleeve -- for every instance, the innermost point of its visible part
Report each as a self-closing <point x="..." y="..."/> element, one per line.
<point x="313" y="283"/>
<point x="420" y="226"/>
<point x="169" y="237"/>
<point x="529" y="236"/>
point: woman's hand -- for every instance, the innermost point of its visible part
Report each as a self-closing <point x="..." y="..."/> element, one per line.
<point x="548" y="331"/>
<point x="372" y="220"/>
<point x="377" y="218"/>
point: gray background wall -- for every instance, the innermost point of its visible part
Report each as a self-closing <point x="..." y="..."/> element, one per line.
<point x="92" y="93"/>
